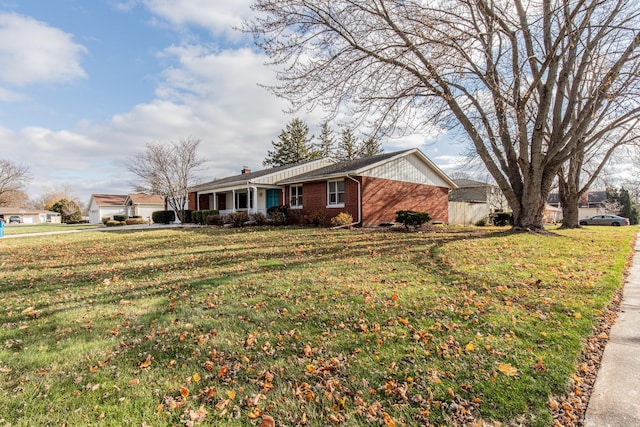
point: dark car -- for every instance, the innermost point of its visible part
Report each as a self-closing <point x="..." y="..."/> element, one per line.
<point x="614" y="220"/>
<point x="14" y="218"/>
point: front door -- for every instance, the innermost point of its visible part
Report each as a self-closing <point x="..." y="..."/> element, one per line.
<point x="272" y="198"/>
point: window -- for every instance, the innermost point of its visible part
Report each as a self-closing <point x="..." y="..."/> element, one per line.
<point x="335" y="191"/>
<point x="244" y="200"/>
<point x="295" y="199"/>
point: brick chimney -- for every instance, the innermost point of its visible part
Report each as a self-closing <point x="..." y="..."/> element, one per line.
<point x="245" y="170"/>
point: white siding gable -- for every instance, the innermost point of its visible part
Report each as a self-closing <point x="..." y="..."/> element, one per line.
<point x="407" y="169"/>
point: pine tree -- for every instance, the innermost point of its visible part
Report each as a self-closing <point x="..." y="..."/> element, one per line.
<point x="371" y="147"/>
<point x="293" y="145"/>
<point x="629" y="209"/>
<point x="326" y="139"/>
<point x="348" y="146"/>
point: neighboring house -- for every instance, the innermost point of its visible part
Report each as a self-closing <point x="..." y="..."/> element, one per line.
<point x="143" y="205"/>
<point x="105" y="206"/>
<point x="591" y="203"/>
<point x="371" y="190"/>
<point x="29" y="216"/>
<point x="474" y="201"/>
<point x="136" y="204"/>
<point x="249" y="191"/>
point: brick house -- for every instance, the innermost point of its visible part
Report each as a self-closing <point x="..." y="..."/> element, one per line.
<point x="371" y="189"/>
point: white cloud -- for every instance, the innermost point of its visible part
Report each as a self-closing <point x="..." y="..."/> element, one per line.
<point x="219" y="17"/>
<point x="33" y="52"/>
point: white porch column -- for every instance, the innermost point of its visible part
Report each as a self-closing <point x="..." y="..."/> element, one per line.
<point x="215" y="201"/>
<point x="233" y="202"/>
<point x="255" y="200"/>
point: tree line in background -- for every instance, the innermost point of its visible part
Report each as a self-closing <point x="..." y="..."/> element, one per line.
<point x="295" y="145"/>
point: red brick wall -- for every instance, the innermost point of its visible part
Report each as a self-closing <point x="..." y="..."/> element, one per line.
<point x="382" y="198"/>
<point x="314" y="198"/>
<point x="192" y="202"/>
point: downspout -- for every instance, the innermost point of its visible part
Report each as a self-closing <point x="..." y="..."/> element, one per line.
<point x="359" y="201"/>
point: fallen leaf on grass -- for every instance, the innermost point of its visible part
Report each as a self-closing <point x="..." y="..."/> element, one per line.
<point x="508" y="370"/>
<point x="268" y="421"/>
<point x="184" y="392"/>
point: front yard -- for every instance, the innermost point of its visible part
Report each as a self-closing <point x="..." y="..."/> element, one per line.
<point x="301" y="326"/>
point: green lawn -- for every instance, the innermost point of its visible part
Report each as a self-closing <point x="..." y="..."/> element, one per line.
<point x="311" y="327"/>
<point x="13" y="229"/>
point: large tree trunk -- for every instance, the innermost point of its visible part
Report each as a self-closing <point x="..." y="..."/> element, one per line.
<point x="529" y="215"/>
<point x="569" y="191"/>
<point x="569" y="201"/>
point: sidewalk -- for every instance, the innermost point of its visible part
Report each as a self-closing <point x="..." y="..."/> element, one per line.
<point x="615" y="399"/>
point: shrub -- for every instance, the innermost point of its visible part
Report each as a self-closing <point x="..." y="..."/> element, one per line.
<point x="114" y="223"/>
<point x="317" y="218"/>
<point x="201" y="217"/>
<point x="259" y="218"/>
<point x="279" y="215"/>
<point x="237" y="219"/>
<point x="481" y="222"/>
<point x="105" y="219"/>
<point x="135" y="221"/>
<point x="214" y="219"/>
<point x="163" y="217"/>
<point x="501" y="219"/>
<point x="341" y="219"/>
<point x="413" y="218"/>
<point x="120" y="218"/>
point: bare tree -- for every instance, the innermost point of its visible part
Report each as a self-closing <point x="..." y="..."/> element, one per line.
<point x="525" y="80"/>
<point x="168" y="170"/>
<point x="579" y="173"/>
<point x="53" y="195"/>
<point x="13" y="177"/>
<point x="14" y="199"/>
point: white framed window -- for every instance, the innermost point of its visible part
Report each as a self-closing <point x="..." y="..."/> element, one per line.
<point x="244" y="200"/>
<point x="335" y="193"/>
<point x="295" y="196"/>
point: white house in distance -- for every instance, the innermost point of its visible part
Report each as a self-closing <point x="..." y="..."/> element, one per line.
<point x="137" y="204"/>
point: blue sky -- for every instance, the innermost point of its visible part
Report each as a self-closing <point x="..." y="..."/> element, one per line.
<point x="84" y="84"/>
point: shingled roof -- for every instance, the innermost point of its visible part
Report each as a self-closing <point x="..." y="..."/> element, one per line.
<point x="358" y="166"/>
<point x="109" y="199"/>
<point x="247" y="177"/>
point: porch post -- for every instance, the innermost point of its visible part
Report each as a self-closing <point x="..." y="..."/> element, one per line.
<point x="255" y="200"/>
<point x="233" y="202"/>
<point x="215" y="201"/>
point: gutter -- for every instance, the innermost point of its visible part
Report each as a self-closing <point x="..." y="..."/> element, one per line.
<point x="359" y="200"/>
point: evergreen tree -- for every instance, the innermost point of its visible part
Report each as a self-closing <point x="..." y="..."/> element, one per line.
<point x="326" y="141"/>
<point x="68" y="210"/>
<point x="293" y="145"/>
<point x="371" y="147"/>
<point x="620" y="201"/>
<point x="348" y="146"/>
<point x="629" y="209"/>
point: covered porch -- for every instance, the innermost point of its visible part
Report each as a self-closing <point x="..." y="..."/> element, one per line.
<point x="250" y="198"/>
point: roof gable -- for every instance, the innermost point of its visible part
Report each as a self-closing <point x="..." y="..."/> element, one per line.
<point x="145" y="199"/>
<point x="109" y="199"/>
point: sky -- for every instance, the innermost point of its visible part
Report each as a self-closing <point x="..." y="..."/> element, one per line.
<point x="84" y="85"/>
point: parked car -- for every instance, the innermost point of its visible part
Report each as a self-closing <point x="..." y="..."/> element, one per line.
<point x="14" y="218"/>
<point x="614" y="220"/>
